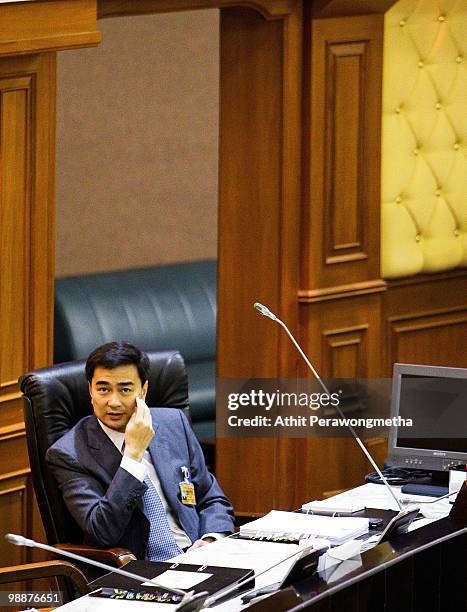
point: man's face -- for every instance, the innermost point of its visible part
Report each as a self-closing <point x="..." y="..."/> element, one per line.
<point x="113" y="394"/>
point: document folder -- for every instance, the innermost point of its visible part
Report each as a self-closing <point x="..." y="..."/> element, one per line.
<point x="295" y="525"/>
<point x="221" y="577"/>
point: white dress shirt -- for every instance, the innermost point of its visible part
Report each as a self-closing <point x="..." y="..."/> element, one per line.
<point x="140" y="471"/>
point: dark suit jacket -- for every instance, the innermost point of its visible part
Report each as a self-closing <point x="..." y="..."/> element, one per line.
<point x="105" y="499"/>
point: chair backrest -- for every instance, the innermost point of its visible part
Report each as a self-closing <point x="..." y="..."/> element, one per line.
<point x="55" y="399"/>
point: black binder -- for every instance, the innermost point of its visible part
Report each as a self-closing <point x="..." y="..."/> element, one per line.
<point x="221" y="578"/>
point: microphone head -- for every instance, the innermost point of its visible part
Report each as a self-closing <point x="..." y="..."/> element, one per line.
<point x="18" y="540"/>
<point x="264" y="311"/>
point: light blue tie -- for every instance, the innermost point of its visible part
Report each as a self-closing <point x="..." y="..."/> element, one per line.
<point x="161" y="544"/>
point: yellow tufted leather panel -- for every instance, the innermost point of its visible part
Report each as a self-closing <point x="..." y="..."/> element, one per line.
<point x="424" y="138"/>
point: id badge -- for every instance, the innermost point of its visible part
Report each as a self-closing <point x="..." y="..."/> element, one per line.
<point x="187" y="489"/>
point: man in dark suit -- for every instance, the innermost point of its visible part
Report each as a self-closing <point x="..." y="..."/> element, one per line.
<point x="135" y="476"/>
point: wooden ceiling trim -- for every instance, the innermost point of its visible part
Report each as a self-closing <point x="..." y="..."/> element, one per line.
<point x="347" y="8"/>
<point x="269" y="9"/>
<point x="31" y="27"/>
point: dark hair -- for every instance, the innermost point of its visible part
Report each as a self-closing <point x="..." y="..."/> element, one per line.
<point x="114" y="354"/>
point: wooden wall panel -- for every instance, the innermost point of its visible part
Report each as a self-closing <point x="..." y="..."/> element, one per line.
<point x="27" y="103"/>
<point x="14" y="515"/>
<point x="426" y="320"/>
<point x="437" y="339"/>
<point x="341" y="230"/>
<point x="18" y="508"/>
<point x="352" y="326"/>
<point x="343" y="189"/>
<point x="345" y="350"/>
<point x="15" y="150"/>
<point x="341" y="296"/>
<point x="342" y="339"/>
<point x="27" y="90"/>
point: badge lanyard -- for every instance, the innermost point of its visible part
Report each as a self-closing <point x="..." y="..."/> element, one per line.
<point x="187" y="489"/>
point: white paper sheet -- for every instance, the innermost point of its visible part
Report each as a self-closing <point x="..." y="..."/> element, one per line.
<point x="172" y="579"/>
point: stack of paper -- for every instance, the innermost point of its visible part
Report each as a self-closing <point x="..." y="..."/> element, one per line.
<point x="331" y="506"/>
<point x="297" y="526"/>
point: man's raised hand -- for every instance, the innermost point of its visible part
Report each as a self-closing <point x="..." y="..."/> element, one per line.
<point x="139" y="431"/>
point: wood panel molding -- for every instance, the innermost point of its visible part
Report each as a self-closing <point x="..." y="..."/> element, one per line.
<point x="13" y="450"/>
<point x="344" y="187"/>
<point x="424" y="320"/>
<point x="29" y="27"/>
<point x="9" y="432"/>
<point x="16" y="136"/>
<point x="15" y="514"/>
<point x="269" y="9"/>
<point x="430" y="337"/>
<point x="341" y="212"/>
<point x="346" y="348"/>
<point x="341" y="291"/>
<point x="352" y="322"/>
<point x="17" y="474"/>
<point x="423" y="279"/>
<point x="341" y="8"/>
<point x="342" y="337"/>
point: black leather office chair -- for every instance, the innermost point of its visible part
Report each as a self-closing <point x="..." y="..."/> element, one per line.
<point x="55" y="399"/>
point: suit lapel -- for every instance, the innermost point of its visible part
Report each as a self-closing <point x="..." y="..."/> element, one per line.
<point x="158" y="451"/>
<point x="161" y="460"/>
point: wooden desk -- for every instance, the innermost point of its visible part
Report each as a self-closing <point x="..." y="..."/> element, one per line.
<point x="424" y="570"/>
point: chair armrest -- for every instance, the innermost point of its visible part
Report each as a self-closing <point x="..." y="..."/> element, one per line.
<point x="112" y="556"/>
<point x="45" y="569"/>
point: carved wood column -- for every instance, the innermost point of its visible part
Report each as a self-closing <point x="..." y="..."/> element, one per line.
<point x="259" y="199"/>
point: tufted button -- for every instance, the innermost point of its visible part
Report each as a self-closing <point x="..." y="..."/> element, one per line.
<point x="438" y="192"/>
<point x="459" y="59"/>
<point x="416" y="151"/>
<point x="402" y="23"/>
<point x="438" y="105"/>
<point x="420" y="64"/>
<point x="456" y="146"/>
<point x="442" y="18"/>
<point x="398" y="199"/>
<point x="418" y="238"/>
<point x="397" y="110"/>
<point x="456" y="233"/>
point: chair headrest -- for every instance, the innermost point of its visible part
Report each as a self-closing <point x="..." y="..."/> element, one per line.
<point x="59" y="395"/>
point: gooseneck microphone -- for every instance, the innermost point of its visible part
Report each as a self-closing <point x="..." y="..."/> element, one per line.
<point x="22" y="541"/>
<point x="191" y="602"/>
<point x="267" y="313"/>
